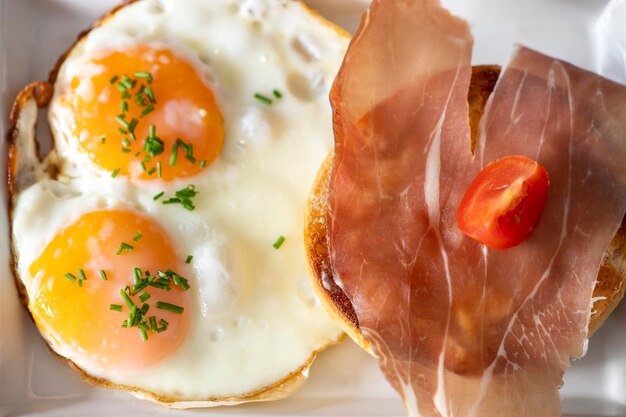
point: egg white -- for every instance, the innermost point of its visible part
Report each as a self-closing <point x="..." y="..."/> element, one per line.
<point x="257" y="318"/>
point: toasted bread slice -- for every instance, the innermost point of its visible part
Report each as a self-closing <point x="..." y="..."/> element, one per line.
<point x="608" y="292"/>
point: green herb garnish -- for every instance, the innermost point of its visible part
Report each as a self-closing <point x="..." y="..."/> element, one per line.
<point x="263" y="99"/>
<point x="144" y="75"/>
<point x="71" y="277"/>
<point x="124" y="247"/>
<point x="279" y="242"/>
<point x="184" y="197"/>
<point x="169" y="307"/>
<point x="174" y="154"/>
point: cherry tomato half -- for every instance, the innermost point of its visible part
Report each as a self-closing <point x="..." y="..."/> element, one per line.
<point x="504" y="202"/>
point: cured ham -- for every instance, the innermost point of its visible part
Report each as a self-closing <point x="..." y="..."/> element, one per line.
<point x="460" y="329"/>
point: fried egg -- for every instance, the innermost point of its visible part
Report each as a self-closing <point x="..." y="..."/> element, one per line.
<point x="158" y="244"/>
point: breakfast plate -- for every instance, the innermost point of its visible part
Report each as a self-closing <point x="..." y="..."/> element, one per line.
<point x="344" y="381"/>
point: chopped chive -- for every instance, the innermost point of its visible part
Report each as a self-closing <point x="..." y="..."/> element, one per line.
<point x="132" y="125"/>
<point x="137" y="274"/>
<point x="159" y="285"/>
<point x="144" y="335"/>
<point x="159" y="195"/>
<point x="163" y="327"/>
<point x="189" y="259"/>
<point x="125" y="95"/>
<point x="122" y="131"/>
<point x="126" y="150"/>
<point x="133" y="317"/>
<point x="174" y="154"/>
<point x="147" y="111"/>
<point x="115" y="307"/>
<point x="126" y="82"/>
<point x="150" y="95"/>
<point x="153" y="324"/>
<point x="81" y="275"/>
<point x="137" y="237"/>
<point x="103" y="139"/>
<point x="189" y="154"/>
<point x="139" y="287"/>
<point x="277" y="94"/>
<point x="121" y="87"/>
<point x="121" y="121"/>
<point x="114" y="79"/>
<point x="145" y="75"/>
<point x="80" y="283"/>
<point x="263" y="99"/>
<point x="144" y="308"/>
<point x="124" y="106"/>
<point x="184" y="197"/>
<point x="115" y="172"/>
<point x="152" y="131"/>
<point x="163" y="279"/>
<point x="124" y="247"/>
<point x="137" y="153"/>
<point x="279" y="242"/>
<point x="70" y="277"/>
<point x="125" y="324"/>
<point x="169" y="307"/>
<point x="127" y="299"/>
<point x="139" y="98"/>
<point x="153" y="145"/>
<point x="143" y="166"/>
<point x="159" y="172"/>
<point x="172" y="201"/>
<point x="203" y="163"/>
<point x="151" y="171"/>
<point x="126" y="142"/>
<point x="103" y="275"/>
<point x="144" y="297"/>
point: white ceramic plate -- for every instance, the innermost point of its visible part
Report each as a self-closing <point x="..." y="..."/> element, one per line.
<point x="344" y="381"/>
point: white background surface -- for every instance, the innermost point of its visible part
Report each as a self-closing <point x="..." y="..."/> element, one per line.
<point x="344" y="381"/>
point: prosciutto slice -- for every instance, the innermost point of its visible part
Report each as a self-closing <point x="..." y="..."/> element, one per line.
<point x="459" y="329"/>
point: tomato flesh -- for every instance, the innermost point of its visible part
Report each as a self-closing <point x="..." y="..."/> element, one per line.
<point x="504" y="202"/>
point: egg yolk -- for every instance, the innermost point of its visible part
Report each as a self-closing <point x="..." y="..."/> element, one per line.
<point x="83" y="315"/>
<point x="118" y="100"/>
